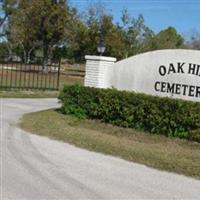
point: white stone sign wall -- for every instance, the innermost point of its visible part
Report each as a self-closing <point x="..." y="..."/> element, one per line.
<point x="172" y="73"/>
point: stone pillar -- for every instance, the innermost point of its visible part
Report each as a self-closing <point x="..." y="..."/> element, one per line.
<point x="97" y="71"/>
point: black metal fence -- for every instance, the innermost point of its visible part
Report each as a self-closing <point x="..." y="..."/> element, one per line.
<point x="32" y="75"/>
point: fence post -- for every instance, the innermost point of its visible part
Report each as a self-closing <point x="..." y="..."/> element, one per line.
<point x="58" y="79"/>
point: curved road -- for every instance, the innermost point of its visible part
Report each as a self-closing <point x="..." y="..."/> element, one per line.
<point x="34" y="167"/>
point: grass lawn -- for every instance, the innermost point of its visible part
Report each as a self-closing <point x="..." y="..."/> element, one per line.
<point x="156" y="151"/>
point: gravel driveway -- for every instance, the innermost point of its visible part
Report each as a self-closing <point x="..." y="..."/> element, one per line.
<point x="34" y="167"/>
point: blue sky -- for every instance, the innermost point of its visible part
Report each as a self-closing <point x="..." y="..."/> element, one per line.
<point x="184" y="15"/>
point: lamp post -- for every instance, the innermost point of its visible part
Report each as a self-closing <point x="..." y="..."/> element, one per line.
<point x="101" y="47"/>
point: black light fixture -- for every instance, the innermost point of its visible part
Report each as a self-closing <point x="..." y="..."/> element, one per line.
<point x="101" y="47"/>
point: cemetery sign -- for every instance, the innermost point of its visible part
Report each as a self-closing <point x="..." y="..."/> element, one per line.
<point x="171" y="73"/>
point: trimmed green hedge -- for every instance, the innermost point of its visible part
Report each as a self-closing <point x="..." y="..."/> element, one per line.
<point x="166" y="116"/>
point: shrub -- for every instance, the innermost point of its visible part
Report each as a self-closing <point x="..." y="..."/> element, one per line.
<point x="170" y="117"/>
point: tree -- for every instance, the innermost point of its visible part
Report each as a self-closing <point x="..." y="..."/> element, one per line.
<point x="165" y="39"/>
<point x="53" y="18"/>
<point x="6" y="37"/>
<point x="134" y="33"/>
<point x="85" y="32"/>
<point x="194" y="40"/>
<point x="113" y="40"/>
<point x="96" y="25"/>
<point x="23" y="30"/>
<point x="3" y="49"/>
<point x="76" y="38"/>
<point x="41" y="22"/>
<point x="7" y="7"/>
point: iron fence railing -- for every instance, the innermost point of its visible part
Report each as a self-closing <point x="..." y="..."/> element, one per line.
<point x="16" y="74"/>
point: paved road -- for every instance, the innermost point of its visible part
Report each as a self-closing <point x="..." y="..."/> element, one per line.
<point x="34" y="167"/>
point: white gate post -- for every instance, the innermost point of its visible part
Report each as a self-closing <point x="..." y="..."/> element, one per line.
<point x="97" y="71"/>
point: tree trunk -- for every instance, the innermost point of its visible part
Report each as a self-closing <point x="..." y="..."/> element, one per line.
<point x="28" y="58"/>
<point x="3" y="19"/>
<point x="9" y="47"/>
<point x="29" y="55"/>
<point x="25" y="58"/>
<point x="45" y="58"/>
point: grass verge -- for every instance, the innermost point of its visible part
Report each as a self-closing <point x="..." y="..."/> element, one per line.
<point x="156" y="151"/>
